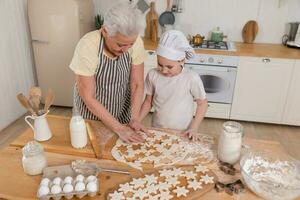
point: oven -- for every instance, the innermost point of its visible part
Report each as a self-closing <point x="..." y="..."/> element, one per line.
<point x="218" y="74"/>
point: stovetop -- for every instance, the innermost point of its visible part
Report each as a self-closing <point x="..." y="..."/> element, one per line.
<point x="211" y="45"/>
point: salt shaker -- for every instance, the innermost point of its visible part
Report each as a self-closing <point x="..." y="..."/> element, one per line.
<point x="78" y="130"/>
<point x="34" y="159"/>
<point x="230" y="142"/>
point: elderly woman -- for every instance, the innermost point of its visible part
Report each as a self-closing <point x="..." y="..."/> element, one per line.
<point x="109" y="67"/>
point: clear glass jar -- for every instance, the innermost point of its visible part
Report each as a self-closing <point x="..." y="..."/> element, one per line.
<point x="34" y="159"/>
<point x="230" y="142"/>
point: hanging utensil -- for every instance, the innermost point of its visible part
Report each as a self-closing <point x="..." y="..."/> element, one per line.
<point x="25" y="103"/>
<point x="49" y="100"/>
<point x="83" y="167"/>
<point x="167" y="17"/>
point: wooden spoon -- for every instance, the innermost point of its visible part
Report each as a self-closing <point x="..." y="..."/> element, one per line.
<point x="49" y="100"/>
<point x="25" y="103"/>
<point x="35" y="95"/>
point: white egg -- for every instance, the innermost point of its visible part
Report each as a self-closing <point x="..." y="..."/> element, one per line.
<point x="68" y="180"/>
<point x="80" y="186"/>
<point x="55" y="189"/>
<point x="68" y="188"/>
<point x="91" y="178"/>
<point x="79" y="177"/>
<point x="92" y="187"/>
<point x="43" y="190"/>
<point x="56" y="181"/>
<point x="45" y="182"/>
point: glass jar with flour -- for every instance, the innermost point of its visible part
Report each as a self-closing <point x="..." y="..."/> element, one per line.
<point x="230" y="142"/>
<point x="34" y="159"/>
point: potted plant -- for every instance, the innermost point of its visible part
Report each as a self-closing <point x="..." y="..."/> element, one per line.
<point x="98" y="21"/>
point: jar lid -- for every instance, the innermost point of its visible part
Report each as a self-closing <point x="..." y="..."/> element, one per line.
<point x="232" y="127"/>
<point x="32" y="148"/>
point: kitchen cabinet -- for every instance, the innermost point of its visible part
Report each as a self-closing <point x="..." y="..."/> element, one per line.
<point x="261" y="89"/>
<point x="292" y="110"/>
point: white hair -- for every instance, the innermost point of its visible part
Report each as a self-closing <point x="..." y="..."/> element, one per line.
<point x="123" y="18"/>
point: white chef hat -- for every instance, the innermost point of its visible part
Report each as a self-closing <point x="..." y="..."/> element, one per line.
<point x="173" y="45"/>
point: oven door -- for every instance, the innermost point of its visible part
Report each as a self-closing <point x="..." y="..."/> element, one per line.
<point x="218" y="82"/>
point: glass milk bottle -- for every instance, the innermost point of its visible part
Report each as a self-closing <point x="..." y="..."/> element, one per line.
<point x="78" y="130"/>
<point x="34" y="159"/>
<point x="230" y="142"/>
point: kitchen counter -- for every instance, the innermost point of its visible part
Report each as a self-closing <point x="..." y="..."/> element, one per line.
<point x="243" y="49"/>
<point x="13" y="178"/>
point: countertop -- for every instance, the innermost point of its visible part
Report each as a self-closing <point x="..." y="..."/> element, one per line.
<point x="243" y="49"/>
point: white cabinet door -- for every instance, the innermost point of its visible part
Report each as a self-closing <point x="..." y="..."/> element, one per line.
<point x="151" y="62"/>
<point x="261" y="89"/>
<point x="292" y="110"/>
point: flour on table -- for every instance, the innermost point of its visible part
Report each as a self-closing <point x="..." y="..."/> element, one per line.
<point x="164" y="149"/>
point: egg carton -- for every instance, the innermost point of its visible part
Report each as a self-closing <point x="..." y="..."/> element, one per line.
<point x="56" y="175"/>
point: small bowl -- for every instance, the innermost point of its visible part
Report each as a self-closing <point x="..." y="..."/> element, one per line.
<point x="271" y="175"/>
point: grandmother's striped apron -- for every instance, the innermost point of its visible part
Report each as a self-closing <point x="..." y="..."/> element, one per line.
<point x="112" y="87"/>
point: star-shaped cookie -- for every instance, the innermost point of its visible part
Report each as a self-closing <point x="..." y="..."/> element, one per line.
<point x="165" y="195"/>
<point x="141" y="193"/>
<point x="138" y="183"/>
<point x="181" y="191"/>
<point x="207" y="179"/>
<point x="173" y="181"/>
<point x="117" y="196"/>
<point x="177" y="172"/>
<point x="189" y="175"/>
<point x="125" y="188"/>
<point x="151" y="179"/>
<point x="201" y="168"/>
<point x="194" y="184"/>
<point x="163" y="186"/>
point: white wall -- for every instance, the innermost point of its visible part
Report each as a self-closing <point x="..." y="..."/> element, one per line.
<point x="201" y="16"/>
<point x="16" y="64"/>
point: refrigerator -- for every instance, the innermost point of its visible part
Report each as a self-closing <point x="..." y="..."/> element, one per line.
<point x="56" y="26"/>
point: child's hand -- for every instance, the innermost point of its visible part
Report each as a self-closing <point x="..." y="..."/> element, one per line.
<point x="191" y="134"/>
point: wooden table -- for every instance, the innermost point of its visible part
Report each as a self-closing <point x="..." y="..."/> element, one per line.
<point x="16" y="185"/>
<point x="60" y="152"/>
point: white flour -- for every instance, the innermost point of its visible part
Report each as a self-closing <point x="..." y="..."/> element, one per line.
<point x="272" y="180"/>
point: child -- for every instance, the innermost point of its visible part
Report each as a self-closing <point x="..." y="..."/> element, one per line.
<point x="171" y="89"/>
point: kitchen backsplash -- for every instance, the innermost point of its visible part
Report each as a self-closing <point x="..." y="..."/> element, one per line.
<point x="201" y="16"/>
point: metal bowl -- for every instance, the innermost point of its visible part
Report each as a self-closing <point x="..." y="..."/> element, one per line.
<point x="271" y="175"/>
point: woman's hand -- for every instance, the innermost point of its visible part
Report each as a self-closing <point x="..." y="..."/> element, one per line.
<point x="137" y="126"/>
<point x="191" y="134"/>
<point x="128" y="135"/>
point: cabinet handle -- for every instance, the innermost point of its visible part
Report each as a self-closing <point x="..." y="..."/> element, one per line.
<point x="266" y="60"/>
<point x="40" y="41"/>
<point x="151" y="52"/>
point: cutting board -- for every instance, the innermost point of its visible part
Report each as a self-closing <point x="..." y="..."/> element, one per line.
<point x="60" y="141"/>
<point x="151" y="31"/>
<point x="249" y="32"/>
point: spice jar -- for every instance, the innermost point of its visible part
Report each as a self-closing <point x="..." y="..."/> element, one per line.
<point x="34" y="159"/>
<point x="230" y="142"/>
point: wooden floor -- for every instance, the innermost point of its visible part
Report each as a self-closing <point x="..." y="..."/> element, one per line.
<point x="288" y="136"/>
